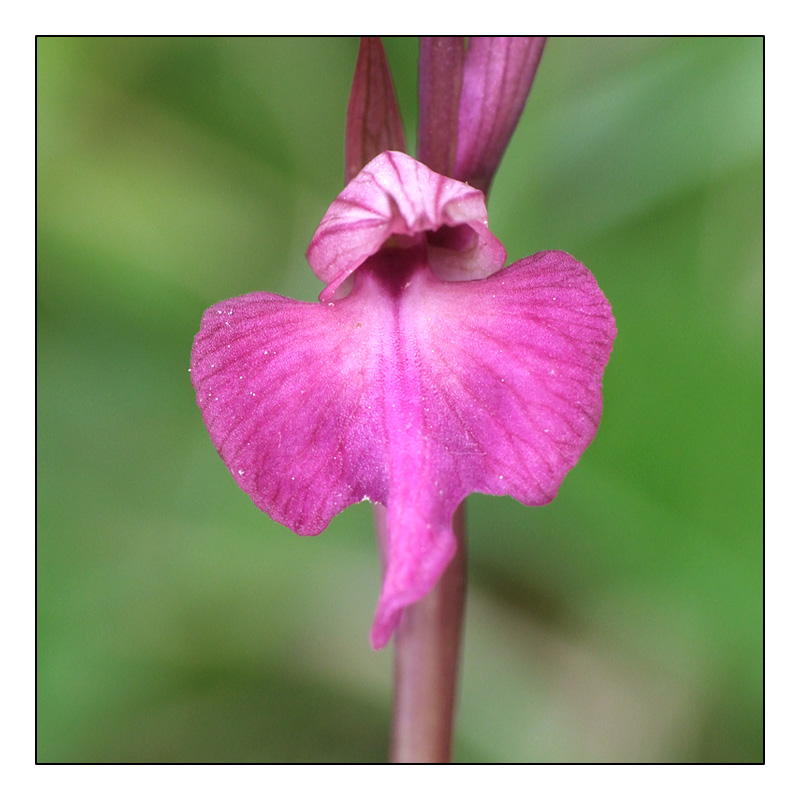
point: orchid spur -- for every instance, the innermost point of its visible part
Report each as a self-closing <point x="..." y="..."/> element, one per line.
<point x="428" y="369"/>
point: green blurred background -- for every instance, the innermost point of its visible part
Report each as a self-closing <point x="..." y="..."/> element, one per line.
<point x="177" y="623"/>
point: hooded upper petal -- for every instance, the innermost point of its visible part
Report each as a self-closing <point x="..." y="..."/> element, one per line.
<point x="397" y="196"/>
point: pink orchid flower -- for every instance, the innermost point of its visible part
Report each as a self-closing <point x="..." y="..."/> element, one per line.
<point x="428" y="370"/>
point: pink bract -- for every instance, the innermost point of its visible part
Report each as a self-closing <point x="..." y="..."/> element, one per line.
<point x="498" y="75"/>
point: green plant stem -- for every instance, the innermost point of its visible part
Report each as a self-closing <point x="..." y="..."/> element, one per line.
<point x="427" y="645"/>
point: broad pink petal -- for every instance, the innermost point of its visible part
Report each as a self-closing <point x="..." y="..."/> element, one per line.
<point x="373" y="118"/>
<point x="412" y="392"/>
<point x="290" y="393"/>
<point x="396" y="196"/>
<point x="498" y="75"/>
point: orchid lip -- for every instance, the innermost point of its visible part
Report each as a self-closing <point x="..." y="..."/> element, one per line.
<point x="410" y="391"/>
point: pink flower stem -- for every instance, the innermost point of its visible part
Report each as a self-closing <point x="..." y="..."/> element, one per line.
<point x="426" y="653"/>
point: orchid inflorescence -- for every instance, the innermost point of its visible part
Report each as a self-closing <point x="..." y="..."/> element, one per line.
<point x="428" y="369"/>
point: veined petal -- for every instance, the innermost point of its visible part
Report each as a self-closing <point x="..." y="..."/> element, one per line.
<point x="412" y="392"/>
<point x="498" y="75"/>
<point x="291" y="395"/>
<point x="397" y="196"/>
